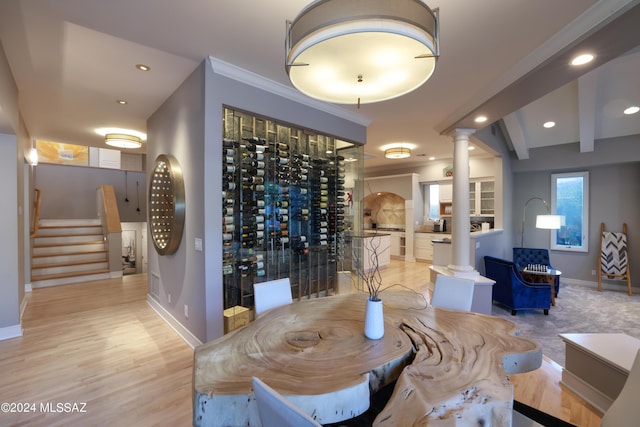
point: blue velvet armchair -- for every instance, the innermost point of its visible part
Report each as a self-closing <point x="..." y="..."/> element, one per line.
<point x="512" y="290"/>
<point x="525" y="256"/>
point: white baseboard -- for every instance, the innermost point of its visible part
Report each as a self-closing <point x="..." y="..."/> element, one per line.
<point x="28" y="287"/>
<point x="183" y="332"/>
<point x="586" y="391"/>
<point x="10" y="332"/>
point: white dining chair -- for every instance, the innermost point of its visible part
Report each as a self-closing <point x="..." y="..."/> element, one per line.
<point x="275" y="410"/>
<point x="271" y="294"/>
<point x="625" y="411"/>
<point x="453" y="293"/>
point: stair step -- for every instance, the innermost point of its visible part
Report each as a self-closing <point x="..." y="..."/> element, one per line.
<point x="68" y="248"/>
<point x="51" y="240"/>
<point x="59" y="279"/>
<point x="69" y="254"/>
<point x="68" y="268"/>
<point x="65" y="275"/>
<point x="69" y="263"/>
<point x="71" y="257"/>
<point x="82" y="222"/>
<point x="68" y="231"/>
<point x="49" y="245"/>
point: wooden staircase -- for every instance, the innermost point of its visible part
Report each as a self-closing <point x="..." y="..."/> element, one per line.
<point x="68" y="251"/>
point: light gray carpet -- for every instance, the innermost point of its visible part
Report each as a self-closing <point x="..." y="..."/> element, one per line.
<point x="578" y="309"/>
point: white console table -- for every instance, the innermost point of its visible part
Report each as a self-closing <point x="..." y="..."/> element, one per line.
<point x="597" y="365"/>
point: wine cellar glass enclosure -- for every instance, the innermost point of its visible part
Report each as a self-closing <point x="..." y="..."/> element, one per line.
<point x="285" y="207"/>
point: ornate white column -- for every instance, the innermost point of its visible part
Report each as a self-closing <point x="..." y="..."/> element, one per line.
<point x="460" y="234"/>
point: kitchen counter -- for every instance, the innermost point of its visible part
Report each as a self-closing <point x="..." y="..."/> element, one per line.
<point x="380" y="242"/>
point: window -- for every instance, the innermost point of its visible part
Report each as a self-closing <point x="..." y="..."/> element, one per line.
<point x="570" y="198"/>
<point x="434" y="201"/>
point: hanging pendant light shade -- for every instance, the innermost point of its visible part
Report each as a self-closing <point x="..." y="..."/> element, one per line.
<point x="354" y="51"/>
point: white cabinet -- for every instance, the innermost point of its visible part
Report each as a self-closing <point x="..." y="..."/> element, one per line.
<point x="482" y="198"/>
<point x="446" y="192"/>
<point x="397" y="244"/>
<point x="423" y="247"/>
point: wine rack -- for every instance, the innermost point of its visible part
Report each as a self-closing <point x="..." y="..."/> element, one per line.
<point x="283" y="208"/>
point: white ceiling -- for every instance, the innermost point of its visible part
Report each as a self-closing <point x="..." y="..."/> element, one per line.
<point x="72" y="59"/>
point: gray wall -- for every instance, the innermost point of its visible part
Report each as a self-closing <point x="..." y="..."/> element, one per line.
<point x="189" y="126"/>
<point x="614" y="198"/>
<point x="13" y="136"/>
<point x="9" y="264"/>
<point x="69" y="192"/>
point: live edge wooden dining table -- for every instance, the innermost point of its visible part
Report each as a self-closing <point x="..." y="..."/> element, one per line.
<point x="451" y="367"/>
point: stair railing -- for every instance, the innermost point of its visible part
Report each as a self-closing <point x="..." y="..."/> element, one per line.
<point x="36" y="214"/>
<point x="111" y="228"/>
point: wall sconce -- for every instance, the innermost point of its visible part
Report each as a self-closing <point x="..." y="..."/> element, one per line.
<point x="33" y="157"/>
<point x="353" y="52"/>
<point x="397" y="153"/>
<point x="122" y="140"/>
<point x="546" y="222"/>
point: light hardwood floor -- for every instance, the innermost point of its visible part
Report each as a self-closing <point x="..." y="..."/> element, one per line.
<point x="99" y="343"/>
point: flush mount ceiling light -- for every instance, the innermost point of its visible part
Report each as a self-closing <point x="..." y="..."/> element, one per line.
<point x="353" y="52"/>
<point x="549" y="125"/>
<point x="632" y="110"/>
<point x="122" y="140"/>
<point x="582" y="59"/>
<point x="397" y="153"/>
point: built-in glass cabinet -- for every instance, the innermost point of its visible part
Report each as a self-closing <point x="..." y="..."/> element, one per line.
<point x="287" y="200"/>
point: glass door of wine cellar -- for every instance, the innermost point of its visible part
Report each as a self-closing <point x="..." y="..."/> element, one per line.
<point x="285" y="207"/>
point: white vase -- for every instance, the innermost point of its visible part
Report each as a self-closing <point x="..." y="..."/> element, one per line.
<point x="373" y="319"/>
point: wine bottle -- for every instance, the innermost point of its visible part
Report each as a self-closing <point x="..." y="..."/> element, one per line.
<point x="229" y="143"/>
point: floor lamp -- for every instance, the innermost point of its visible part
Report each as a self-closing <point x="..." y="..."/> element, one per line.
<point x="547" y="222"/>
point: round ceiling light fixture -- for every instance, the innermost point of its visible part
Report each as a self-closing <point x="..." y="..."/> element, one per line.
<point x="343" y="52"/>
<point x="122" y="140"/>
<point x="397" y="153"/>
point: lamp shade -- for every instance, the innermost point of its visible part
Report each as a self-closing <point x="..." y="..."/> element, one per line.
<point x="549" y="222"/>
<point x="122" y="140"/>
<point x="353" y="52"/>
<point x="397" y="153"/>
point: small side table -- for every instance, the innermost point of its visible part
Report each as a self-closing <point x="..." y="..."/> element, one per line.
<point x="547" y="276"/>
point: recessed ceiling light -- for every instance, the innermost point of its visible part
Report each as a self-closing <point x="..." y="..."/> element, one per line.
<point x="471" y="148"/>
<point x="549" y="124"/>
<point x="481" y="119"/>
<point x="632" y="110"/>
<point x="121" y="102"/>
<point x="143" y="67"/>
<point x="432" y="158"/>
<point x="582" y="59"/>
